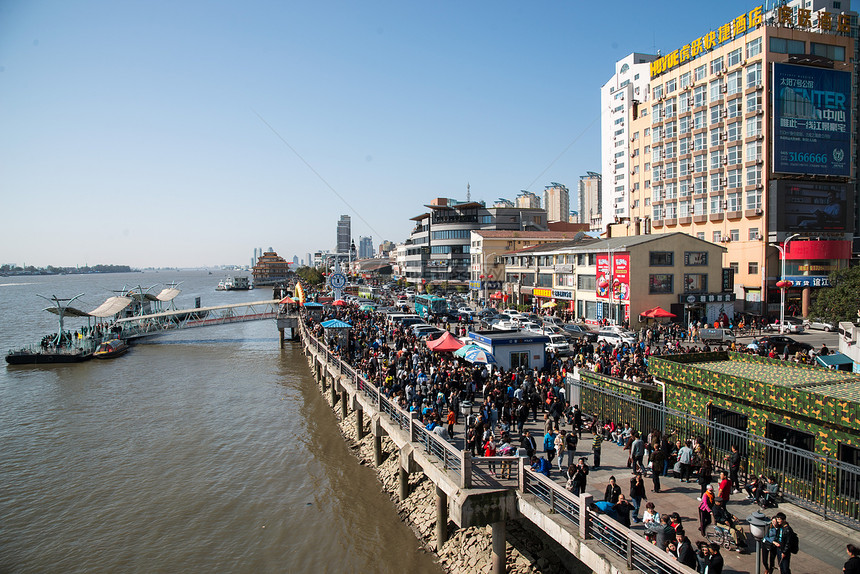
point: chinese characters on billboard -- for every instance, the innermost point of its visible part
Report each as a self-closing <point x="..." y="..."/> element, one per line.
<point x="811" y="120"/>
<point x="615" y="276"/>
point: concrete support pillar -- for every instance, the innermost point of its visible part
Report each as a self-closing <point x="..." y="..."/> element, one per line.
<point x="585" y="501"/>
<point x="441" y="518"/>
<point x="376" y="429"/>
<point x="403" y="483"/>
<point x="498" y="558"/>
<point x="281" y="338"/>
<point x="344" y="404"/>
<point x="804" y="301"/>
<point x="333" y="393"/>
<point x="359" y="423"/>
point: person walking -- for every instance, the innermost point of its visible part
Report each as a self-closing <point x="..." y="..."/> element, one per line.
<point x="560" y="449"/>
<point x="549" y="445"/>
<point x="685" y="458"/>
<point x="612" y="492"/>
<point x="657" y="460"/>
<point x="704" y="478"/>
<point x="785" y="542"/>
<point x="734" y="468"/>
<point x="637" y="452"/>
<point x="528" y="443"/>
<point x="768" y="550"/>
<point x="725" y="488"/>
<point x="706" y="506"/>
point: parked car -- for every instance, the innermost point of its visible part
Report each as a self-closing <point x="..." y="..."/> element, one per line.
<point x="488" y="313"/>
<point x="716" y="335"/>
<point x="580" y="332"/>
<point x="779" y="342"/>
<point x="558" y="343"/>
<point x="792" y="325"/>
<point x="614" y="336"/>
<point x="531" y="327"/>
<point x="821" y="324"/>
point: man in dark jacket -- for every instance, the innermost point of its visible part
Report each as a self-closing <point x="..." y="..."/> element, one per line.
<point x="684" y="549"/>
<point x="665" y="533"/>
<point x="528" y="443"/>
<point x="622" y="509"/>
<point x="613" y="491"/>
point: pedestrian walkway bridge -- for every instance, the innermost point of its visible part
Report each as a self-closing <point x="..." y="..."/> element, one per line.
<point x="180" y="319"/>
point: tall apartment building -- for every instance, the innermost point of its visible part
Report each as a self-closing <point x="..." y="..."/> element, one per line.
<point x="746" y="138"/>
<point x="528" y="200"/>
<point x="365" y="247"/>
<point x="619" y="100"/>
<point x="438" y="249"/>
<point x="590" y="200"/>
<point x="556" y="201"/>
<point x="344" y="234"/>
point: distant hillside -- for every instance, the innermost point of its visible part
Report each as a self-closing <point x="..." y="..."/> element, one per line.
<point x="12" y="269"/>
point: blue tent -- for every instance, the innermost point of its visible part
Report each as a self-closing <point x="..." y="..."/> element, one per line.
<point x="836" y="361"/>
<point x="335" y="324"/>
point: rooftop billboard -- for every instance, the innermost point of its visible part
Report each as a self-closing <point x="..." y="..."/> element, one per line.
<point x="811" y="120"/>
<point x="802" y="206"/>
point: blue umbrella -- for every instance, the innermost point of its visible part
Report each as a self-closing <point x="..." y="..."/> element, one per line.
<point x="465" y="349"/>
<point x="479" y="355"/>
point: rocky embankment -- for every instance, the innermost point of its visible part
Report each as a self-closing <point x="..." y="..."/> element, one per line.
<point x="467" y="551"/>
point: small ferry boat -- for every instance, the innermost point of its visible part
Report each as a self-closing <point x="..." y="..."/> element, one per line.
<point x="222" y="285"/>
<point x="239" y="283"/>
<point x="49" y="355"/>
<point x="111" y="349"/>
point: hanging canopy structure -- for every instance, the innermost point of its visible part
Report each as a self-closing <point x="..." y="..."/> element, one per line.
<point x="313" y="304"/>
<point x="335" y="324"/>
<point x="339" y="303"/>
<point x="548" y="305"/>
<point x="109" y="308"/>
<point x="446" y="343"/>
<point x="287" y="301"/>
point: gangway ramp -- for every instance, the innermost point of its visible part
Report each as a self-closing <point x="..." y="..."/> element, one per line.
<point x="180" y="319"/>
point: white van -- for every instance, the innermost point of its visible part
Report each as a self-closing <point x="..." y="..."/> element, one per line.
<point x="717" y="335"/>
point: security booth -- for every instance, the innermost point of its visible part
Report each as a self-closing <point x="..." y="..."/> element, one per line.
<point x="314" y="309"/>
<point x="336" y="333"/>
<point x="513" y="349"/>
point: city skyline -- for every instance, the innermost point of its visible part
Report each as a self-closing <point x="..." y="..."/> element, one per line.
<point x="154" y="134"/>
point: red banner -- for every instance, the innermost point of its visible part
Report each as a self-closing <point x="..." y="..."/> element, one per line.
<point x="615" y="276"/>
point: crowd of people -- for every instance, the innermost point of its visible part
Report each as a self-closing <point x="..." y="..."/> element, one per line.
<point x="434" y="385"/>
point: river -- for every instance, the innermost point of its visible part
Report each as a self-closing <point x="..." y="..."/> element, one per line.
<point x="208" y="450"/>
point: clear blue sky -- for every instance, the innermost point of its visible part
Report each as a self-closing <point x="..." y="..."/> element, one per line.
<point x="131" y="132"/>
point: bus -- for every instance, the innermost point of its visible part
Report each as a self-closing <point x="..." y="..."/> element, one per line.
<point x="426" y="305"/>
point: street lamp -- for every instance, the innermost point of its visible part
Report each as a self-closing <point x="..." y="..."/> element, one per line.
<point x="758" y="523"/>
<point x="783" y="284"/>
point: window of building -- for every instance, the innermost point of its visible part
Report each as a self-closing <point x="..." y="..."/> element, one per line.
<point x="717" y="136"/>
<point x="700" y="184"/>
<point x="754" y="175"/>
<point x="753" y="126"/>
<point x="735" y="57"/>
<point x="754" y="102"/>
<point x="752" y="268"/>
<point x="733" y="178"/>
<point x="753" y="234"/>
<point x="657" y="212"/>
<point x="700" y="140"/>
<point x="670" y="170"/>
<point x="661" y="258"/>
<point x="734" y="203"/>
<point x="695" y="258"/>
<point x="734" y="108"/>
<point x="684" y="145"/>
<point x="716" y="159"/>
<point x="735" y="267"/>
<point x="699" y="93"/>
<point x="685" y="208"/>
<point x="684" y="123"/>
<point x="786" y="46"/>
<point x="700" y="72"/>
<point x="716" y="203"/>
<point x="670" y="210"/>
<point x="671" y="85"/>
<point x="661" y="283"/>
<point x="657" y="92"/>
<point x="733" y="155"/>
<point x="754" y="199"/>
<point x="716" y="236"/>
<point x="716" y="181"/>
<point x="684" y="80"/>
<point x="792" y="465"/>
<point x="685" y="186"/>
<point x="828" y="51"/>
<point x="699" y="163"/>
<point x="519" y="359"/>
<point x="716" y="113"/>
<point x="734" y="83"/>
<point x="700" y="235"/>
<point x="754" y="75"/>
<point x="734" y="130"/>
<point x="753" y="48"/>
<point x="695" y="282"/>
<point x="586" y="282"/>
<point x="734" y="234"/>
<point x="669" y="130"/>
<point x="716" y="65"/>
<point x="715" y="89"/>
<point x="669" y="109"/>
<point x="657" y="193"/>
<point x="684" y="166"/>
<point x="699" y="119"/>
<point x="754" y="151"/>
<point x="699" y="207"/>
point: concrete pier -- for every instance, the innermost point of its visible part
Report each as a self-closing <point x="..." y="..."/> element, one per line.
<point x="441" y="517"/>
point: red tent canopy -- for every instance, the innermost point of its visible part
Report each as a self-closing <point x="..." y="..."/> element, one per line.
<point x="286" y="300"/>
<point x="447" y="342"/>
<point x="656" y="313"/>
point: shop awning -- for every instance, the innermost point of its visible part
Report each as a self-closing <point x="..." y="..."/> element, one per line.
<point x="834" y="360"/>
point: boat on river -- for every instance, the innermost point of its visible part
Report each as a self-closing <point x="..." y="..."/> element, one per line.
<point x="111" y="349"/>
<point x="49" y="355"/>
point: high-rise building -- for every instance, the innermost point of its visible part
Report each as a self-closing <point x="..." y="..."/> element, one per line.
<point x="528" y="200"/>
<point x="556" y="201"/>
<point x="344" y="234"/>
<point x="619" y="98"/>
<point x="744" y="137"/>
<point x="365" y="247"/>
<point x="590" y="200"/>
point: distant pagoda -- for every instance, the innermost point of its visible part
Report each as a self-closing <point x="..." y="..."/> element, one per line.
<point x="271" y="269"/>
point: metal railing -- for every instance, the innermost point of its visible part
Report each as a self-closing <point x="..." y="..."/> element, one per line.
<point x="821" y="484"/>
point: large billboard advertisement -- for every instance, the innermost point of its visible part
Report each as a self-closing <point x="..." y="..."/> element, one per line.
<point x="801" y="206"/>
<point x="615" y="277"/>
<point x="811" y="120"/>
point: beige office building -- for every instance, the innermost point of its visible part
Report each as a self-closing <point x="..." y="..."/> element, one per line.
<point x="745" y="139"/>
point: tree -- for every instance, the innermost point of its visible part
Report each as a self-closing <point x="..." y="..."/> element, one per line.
<point x="310" y="275"/>
<point x="841" y="301"/>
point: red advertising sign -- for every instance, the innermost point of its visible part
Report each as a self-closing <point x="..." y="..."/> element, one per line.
<point x="614" y="276"/>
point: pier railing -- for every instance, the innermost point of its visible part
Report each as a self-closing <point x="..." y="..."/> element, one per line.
<point x="479" y="472"/>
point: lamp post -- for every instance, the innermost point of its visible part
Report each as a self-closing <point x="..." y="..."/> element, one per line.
<point x="783" y="284"/>
<point x="758" y="523"/>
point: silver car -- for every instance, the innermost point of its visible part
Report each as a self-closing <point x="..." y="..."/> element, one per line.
<point x="821" y="324"/>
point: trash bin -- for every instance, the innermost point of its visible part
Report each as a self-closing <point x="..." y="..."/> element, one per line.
<point x="466" y="408"/>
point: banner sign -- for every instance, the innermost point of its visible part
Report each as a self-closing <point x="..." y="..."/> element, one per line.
<point x="809" y="280"/>
<point x="615" y="276"/>
<point x="811" y="120"/>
